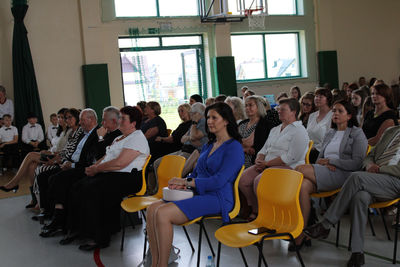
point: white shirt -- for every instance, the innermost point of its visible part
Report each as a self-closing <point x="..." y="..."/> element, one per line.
<point x="317" y="130"/>
<point x="30" y="133"/>
<point x="7" y="108"/>
<point x="332" y="149"/>
<point x="51" y="132"/>
<point x="7" y="133"/>
<point x="135" y="141"/>
<point x="291" y="144"/>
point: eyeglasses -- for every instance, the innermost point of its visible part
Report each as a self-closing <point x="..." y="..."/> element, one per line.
<point x="306" y="104"/>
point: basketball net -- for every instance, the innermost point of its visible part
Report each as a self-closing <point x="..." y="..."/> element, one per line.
<point x="256" y="21"/>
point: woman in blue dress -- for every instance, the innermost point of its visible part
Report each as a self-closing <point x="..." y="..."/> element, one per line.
<point x="212" y="181"/>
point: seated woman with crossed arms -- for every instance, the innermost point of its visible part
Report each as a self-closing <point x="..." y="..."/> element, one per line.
<point x="212" y="179"/>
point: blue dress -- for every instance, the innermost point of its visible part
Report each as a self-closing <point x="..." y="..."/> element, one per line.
<point x="215" y="176"/>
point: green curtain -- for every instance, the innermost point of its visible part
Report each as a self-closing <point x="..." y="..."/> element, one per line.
<point x="26" y="95"/>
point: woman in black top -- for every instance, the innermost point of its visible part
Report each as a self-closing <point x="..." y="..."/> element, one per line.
<point x="378" y="120"/>
<point x="255" y="129"/>
<point x="166" y="145"/>
<point x="154" y="125"/>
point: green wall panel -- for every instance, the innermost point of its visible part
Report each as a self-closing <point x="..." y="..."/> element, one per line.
<point x="225" y="75"/>
<point x="328" y="68"/>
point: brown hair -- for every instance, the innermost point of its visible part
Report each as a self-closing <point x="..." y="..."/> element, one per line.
<point x="154" y="106"/>
<point x="327" y="93"/>
<point x="386" y="92"/>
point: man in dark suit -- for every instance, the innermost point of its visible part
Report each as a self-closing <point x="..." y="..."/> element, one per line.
<point x="89" y="149"/>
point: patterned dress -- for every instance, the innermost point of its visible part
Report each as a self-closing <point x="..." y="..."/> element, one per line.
<point x="246" y="133"/>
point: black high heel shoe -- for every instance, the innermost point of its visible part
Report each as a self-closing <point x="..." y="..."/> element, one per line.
<point x="305" y="241"/>
<point x="14" y="189"/>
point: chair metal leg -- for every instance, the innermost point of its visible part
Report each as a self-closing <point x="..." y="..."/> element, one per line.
<point x="243" y="257"/>
<point x="123" y="231"/>
<point x="144" y="215"/>
<point x="208" y="239"/>
<point x="337" y="233"/>
<point x="188" y="238"/>
<point x="219" y="253"/>
<point x="145" y="243"/>
<point x="381" y="211"/>
<point x="199" y="247"/>
<point x="349" y="245"/>
<point x="371" y="225"/>
<point x="396" y="232"/>
<point x="261" y="255"/>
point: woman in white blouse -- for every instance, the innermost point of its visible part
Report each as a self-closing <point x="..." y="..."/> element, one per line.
<point x="342" y="152"/>
<point x="319" y="122"/>
<point x="285" y="147"/>
<point x="96" y="199"/>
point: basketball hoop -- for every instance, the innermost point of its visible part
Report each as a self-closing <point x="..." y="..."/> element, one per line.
<point x="256" y="21"/>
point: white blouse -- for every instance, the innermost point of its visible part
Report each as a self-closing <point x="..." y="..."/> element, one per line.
<point x="291" y="144"/>
<point x="317" y="130"/>
<point x="332" y="149"/>
<point x="135" y="141"/>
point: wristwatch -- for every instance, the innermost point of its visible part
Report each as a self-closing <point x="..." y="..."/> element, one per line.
<point x="101" y="138"/>
<point x="187" y="181"/>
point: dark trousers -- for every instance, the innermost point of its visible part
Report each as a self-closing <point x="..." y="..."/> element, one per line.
<point x="26" y="148"/>
<point x="43" y="182"/>
<point x="95" y="203"/>
<point x="10" y="155"/>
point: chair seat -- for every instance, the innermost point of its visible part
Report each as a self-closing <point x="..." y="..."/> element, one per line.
<point x="237" y="236"/>
<point x="379" y="205"/>
<point x="326" y="194"/>
<point x="135" y="204"/>
<point x="192" y="221"/>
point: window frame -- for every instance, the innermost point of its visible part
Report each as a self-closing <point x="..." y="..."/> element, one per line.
<point x="264" y="56"/>
<point x="158" y="13"/>
<point x="199" y="48"/>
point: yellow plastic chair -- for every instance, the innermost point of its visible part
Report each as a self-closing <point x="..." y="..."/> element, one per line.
<point x="310" y="144"/>
<point x="279" y="210"/>
<point x="144" y="187"/>
<point x="169" y="131"/>
<point x="170" y="166"/>
<point x="200" y="220"/>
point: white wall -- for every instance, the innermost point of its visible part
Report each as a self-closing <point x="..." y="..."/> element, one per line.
<point x="365" y="34"/>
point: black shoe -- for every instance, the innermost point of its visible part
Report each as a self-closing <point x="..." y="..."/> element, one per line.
<point x="92" y="246"/>
<point x="356" y="260"/>
<point x="14" y="189"/>
<point x="33" y="201"/>
<point x="51" y="232"/>
<point x="292" y="246"/>
<point x="58" y="220"/>
<point x="69" y="239"/>
<point x="317" y="231"/>
<point x="41" y="217"/>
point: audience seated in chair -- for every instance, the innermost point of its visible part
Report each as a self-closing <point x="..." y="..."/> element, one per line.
<point x="254" y="130"/>
<point x="237" y="107"/>
<point x="194" y="139"/>
<point x="307" y="106"/>
<point x="380" y="181"/>
<point x="286" y="147"/>
<point x="55" y="184"/>
<point x="383" y="116"/>
<point x="95" y="200"/>
<point x="9" y="143"/>
<point x="342" y="152"/>
<point x="212" y="179"/>
<point x="33" y="159"/>
<point x="154" y="126"/>
<point x="166" y="145"/>
<point x="319" y="122"/>
<point x="32" y="136"/>
<point x="52" y="130"/>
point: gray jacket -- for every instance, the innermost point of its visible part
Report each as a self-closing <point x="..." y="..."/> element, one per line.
<point x="352" y="151"/>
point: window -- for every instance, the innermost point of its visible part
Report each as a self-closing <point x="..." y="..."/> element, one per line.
<point x="266" y="56"/>
<point x="155" y="8"/>
<point x="274" y="7"/>
<point x="166" y="69"/>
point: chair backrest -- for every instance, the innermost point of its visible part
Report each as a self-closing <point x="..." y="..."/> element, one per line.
<point x="144" y="187"/>
<point x="369" y="149"/>
<point x="310" y="144"/>
<point x="278" y="201"/>
<point x="236" y="208"/>
<point x="170" y="166"/>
